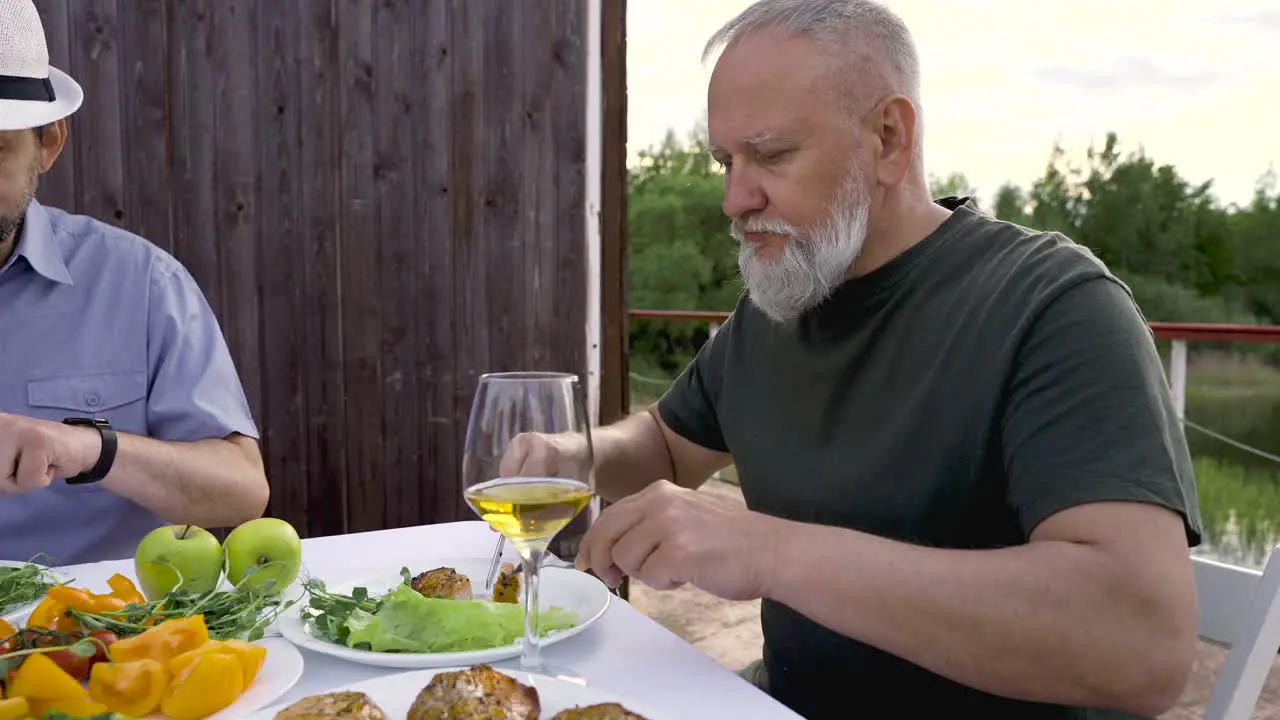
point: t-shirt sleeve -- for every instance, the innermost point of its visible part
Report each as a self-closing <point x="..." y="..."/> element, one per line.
<point x="1089" y="416"/>
<point x="196" y="393"/>
<point x="689" y="405"/>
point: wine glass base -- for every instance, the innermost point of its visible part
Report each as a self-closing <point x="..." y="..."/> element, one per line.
<point x="559" y="672"/>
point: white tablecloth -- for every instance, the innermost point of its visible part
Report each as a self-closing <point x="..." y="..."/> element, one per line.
<point x="624" y="652"/>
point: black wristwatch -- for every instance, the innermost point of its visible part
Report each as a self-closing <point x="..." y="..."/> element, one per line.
<point x="105" y="459"/>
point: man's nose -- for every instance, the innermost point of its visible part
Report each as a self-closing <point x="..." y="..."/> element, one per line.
<point x="742" y="195"/>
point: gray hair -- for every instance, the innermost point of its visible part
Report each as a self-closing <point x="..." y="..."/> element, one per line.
<point x="842" y="23"/>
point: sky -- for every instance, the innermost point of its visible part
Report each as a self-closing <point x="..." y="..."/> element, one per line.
<point x="1194" y="84"/>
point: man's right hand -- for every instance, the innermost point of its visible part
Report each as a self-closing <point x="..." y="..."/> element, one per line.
<point x="547" y="455"/>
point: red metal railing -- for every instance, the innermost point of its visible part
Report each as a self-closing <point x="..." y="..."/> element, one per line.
<point x="686" y="315"/>
<point x="1206" y="332"/>
<point x="1217" y="332"/>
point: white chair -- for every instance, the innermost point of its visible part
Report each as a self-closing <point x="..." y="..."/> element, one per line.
<point x="1239" y="609"/>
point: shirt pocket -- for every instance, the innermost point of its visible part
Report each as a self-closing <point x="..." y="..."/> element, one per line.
<point x="117" y="397"/>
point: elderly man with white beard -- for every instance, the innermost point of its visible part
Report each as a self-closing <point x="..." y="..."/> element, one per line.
<point x="967" y="490"/>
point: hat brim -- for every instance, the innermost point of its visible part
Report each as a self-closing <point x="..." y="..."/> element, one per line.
<point x="25" y="114"/>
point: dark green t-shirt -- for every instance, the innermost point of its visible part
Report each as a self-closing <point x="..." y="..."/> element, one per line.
<point x="955" y="397"/>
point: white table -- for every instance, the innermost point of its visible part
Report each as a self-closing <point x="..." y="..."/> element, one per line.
<point x="624" y="652"/>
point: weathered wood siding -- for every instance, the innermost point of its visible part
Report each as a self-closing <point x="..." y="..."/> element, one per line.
<point x="382" y="199"/>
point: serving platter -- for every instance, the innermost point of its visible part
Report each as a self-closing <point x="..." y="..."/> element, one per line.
<point x="583" y="594"/>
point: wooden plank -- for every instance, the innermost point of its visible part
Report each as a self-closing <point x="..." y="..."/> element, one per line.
<point x="398" y="272"/>
<point x="58" y="186"/>
<point x="564" y="54"/>
<point x="496" y="267"/>
<point x="615" y="400"/>
<point x="233" y="57"/>
<point x="536" y="146"/>
<point x="444" y="415"/>
<point x="193" y="153"/>
<point x="473" y="332"/>
<point x="567" y="60"/>
<point x="97" y="149"/>
<point x="362" y="301"/>
<point x="327" y="440"/>
<point x="284" y="315"/>
<point x="143" y="99"/>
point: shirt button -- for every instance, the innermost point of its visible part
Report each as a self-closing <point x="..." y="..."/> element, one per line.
<point x="92" y="399"/>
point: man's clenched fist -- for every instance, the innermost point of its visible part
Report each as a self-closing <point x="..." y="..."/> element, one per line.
<point x="33" y="452"/>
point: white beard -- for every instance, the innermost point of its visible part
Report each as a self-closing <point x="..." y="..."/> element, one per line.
<point x="812" y="262"/>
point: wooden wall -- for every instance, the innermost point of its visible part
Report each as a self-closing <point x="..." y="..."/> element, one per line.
<point x="382" y="199"/>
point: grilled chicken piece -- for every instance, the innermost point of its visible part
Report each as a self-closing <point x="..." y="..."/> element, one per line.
<point x="603" y="711"/>
<point x="477" y="693"/>
<point x="444" y="582"/>
<point x="344" y="705"/>
<point x="506" y="589"/>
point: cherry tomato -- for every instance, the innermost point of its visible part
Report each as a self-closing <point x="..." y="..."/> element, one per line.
<point x="105" y="639"/>
<point x="77" y="666"/>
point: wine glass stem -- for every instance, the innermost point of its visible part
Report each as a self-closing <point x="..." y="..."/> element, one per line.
<point x="531" y="655"/>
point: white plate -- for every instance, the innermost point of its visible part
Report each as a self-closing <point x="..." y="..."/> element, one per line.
<point x="280" y="672"/>
<point x="17" y="615"/>
<point x="395" y="694"/>
<point x="570" y="589"/>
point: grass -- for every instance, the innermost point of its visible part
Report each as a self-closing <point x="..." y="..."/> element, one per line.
<point x="1209" y="370"/>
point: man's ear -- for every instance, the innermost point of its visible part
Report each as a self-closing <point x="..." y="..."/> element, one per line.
<point x="52" y="139"/>
<point x="894" y="127"/>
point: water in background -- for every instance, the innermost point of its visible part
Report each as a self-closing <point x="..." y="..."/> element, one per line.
<point x="1239" y="491"/>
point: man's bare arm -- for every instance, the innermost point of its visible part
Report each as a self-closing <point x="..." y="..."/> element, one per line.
<point x="627" y="456"/>
<point x="632" y="453"/>
<point x="211" y="483"/>
<point x="1098" y="610"/>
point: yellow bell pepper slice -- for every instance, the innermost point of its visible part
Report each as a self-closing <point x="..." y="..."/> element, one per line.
<point x="250" y="656"/>
<point x="38" y="679"/>
<point x="162" y="642"/>
<point x="123" y="588"/>
<point x="208" y="683"/>
<point x="6" y="629"/>
<point x="46" y="614"/>
<point x="132" y="688"/>
<point x="14" y="708"/>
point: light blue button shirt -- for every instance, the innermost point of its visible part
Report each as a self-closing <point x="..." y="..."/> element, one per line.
<point x="97" y="322"/>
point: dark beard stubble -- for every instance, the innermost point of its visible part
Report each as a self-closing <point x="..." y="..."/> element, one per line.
<point x="10" y="223"/>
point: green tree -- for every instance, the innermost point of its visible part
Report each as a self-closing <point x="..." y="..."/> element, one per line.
<point x="953" y="184"/>
<point x="681" y="254"/>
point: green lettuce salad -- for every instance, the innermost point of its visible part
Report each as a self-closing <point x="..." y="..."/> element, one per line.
<point x="404" y="621"/>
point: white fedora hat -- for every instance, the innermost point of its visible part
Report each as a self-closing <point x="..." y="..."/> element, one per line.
<point x="32" y="93"/>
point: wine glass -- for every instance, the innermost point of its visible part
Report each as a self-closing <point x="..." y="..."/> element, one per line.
<point x="525" y="417"/>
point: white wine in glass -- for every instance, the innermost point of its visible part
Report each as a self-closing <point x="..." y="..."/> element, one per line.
<point x="537" y="423"/>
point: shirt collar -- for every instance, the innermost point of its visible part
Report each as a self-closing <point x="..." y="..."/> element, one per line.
<point x="40" y="247"/>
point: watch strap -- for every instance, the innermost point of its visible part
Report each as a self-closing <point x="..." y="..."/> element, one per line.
<point x="106" y="458"/>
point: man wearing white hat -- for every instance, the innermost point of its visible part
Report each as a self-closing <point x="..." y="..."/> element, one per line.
<point x="120" y="407"/>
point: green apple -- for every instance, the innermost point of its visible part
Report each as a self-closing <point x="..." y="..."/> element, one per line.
<point x="176" y="554"/>
<point x="263" y="555"/>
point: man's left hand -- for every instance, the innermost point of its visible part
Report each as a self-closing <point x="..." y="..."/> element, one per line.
<point x="33" y="452"/>
<point x="666" y="536"/>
